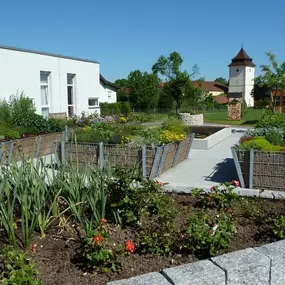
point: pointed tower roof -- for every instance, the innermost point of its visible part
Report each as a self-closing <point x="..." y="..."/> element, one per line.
<point x="242" y="59"/>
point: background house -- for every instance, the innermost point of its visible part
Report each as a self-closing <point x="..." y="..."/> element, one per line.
<point x="54" y="83"/>
<point x="216" y="89"/>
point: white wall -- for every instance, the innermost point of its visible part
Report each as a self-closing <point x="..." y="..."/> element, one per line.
<point x="21" y="71"/>
<point x="242" y="80"/>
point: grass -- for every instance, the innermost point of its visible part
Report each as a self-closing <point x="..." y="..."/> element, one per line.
<point x="250" y="118"/>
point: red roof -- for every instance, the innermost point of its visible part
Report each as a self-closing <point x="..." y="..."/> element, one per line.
<point x="220" y="99"/>
<point x="209" y="86"/>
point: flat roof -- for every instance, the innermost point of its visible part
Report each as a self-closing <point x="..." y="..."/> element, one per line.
<point x="47" y="54"/>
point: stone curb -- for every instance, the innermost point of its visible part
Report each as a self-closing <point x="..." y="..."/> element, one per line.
<point x="263" y="265"/>
<point x="245" y="192"/>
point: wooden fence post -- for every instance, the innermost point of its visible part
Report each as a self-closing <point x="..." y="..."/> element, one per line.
<point x="155" y="162"/>
<point x="2" y="151"/>
<point x="191" y="138"/>
<point x="11" y="147"/>
<point x="62" y="148"/>
<point x="251" y="162"/>
<point x="177" y="154"/>
<point x="237" y="165"/>
<point x="101" y="155"/>
<point x="143" y="154"/>
<point x="161" y="164"/>
<point x="38" y="145"/>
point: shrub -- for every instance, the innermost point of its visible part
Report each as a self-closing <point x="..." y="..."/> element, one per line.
<point x="279" y="227"/>
<point x="258" y="143"/>
<point x="7" y="133"/>
<point x="207" y="235"/>
<point x="126" y="108"/>
<point x="167" y="136"/>
<point x="108" y="109"/>
<point x="274" y="136"/>
<point x="56" y="125"/>
<point x="220" y="197"/>
<point x="36" y="123"/>
<point x="173" y="125"/>
<point x="272" y="120"/>
<point x="17" y="268"/>
<point x="141" y="117"/>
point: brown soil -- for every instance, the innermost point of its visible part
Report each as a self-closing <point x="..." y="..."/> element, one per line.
<point x="55" y="255"/>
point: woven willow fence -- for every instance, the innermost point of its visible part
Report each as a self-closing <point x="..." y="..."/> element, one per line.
<point x="260" y="170"/>
<point x="152" y="160"/>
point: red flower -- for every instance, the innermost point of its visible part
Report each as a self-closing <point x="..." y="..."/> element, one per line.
<point x="98" y="239"/>
<point x="103" y="220"/>
<point x="34" y="246"/>
<point x="130" y="247"/>
<point x="159" y="183"/>
<point x="236" y="183"/>
<point x="212" y="188"/>
<point x="230" y="210"/>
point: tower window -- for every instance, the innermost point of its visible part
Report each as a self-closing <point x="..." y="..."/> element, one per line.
<point x="237" y="70"/>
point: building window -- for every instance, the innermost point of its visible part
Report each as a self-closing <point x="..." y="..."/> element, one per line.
<point x="237" y="70"/>
<point x="45" y="83"/>
<point x="32" y="101"/>
<point x="109" y="94"/>
<point x="93" y="103"/>
<point x="70" y="94"/>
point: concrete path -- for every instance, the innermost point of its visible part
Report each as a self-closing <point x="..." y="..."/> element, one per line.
<point x="206" y="167"/>
<point x="263" y="265"/>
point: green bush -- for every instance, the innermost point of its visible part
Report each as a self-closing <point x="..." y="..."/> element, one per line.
<point x="272" y="120"/>
<point x="36" y="123"/>
<point x="173" y="125"/>
<point x="56" y="125"/>
<point x="126" y="108"/>
<point x="279" y="227"/>
<point x="141" y="117"/>
<point x="274" y="137"/>
<point x="258" y="143"/>
<point x="207" y="235"/>
<point x="17" y="268"/>
<point x="108" y="109"/>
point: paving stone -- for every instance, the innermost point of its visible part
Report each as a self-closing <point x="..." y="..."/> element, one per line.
<point x="145" y="279"/>
<point x="247" y="266"/>
<point x="197" y="273"/>
<point x="276" y="251"/>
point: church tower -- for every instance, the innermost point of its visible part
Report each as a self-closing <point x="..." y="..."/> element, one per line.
<point x="241" y="79"/>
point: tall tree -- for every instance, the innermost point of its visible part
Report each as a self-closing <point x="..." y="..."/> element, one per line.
<point x="222" y="80"/>
<point x="144" y="89"/>
<point x="177" y="82"/>
<point x="261" y="94"/>
<point x="272" y="77"/>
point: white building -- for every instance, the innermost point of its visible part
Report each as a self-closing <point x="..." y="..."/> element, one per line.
<point x="241" y="79"/>
<point x="55" y="83"/>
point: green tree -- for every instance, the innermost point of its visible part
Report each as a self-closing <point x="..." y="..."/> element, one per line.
<point x="144" y="89"/>
<point x="123" y="94"/>
<point x="261" y="94"/>
<point x="177" y="82"/>
<point x="222" y="80"/>
<point x="272" y="77"/>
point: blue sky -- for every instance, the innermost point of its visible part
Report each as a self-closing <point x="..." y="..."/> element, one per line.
<point x="127" y="35"/>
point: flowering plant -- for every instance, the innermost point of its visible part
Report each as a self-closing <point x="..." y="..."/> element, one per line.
<point x="167" y="136"/>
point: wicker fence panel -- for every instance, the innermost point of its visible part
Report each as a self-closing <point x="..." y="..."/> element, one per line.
<point x="268" y="169"/>
<point x="124" y="156"/>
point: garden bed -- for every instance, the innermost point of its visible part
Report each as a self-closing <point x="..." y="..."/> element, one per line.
<point x="209" y="136"/>
<point x="30" y="147"/>
<point x="153" y="161"/>
<point x="260" y="170"/>
<point x="56" y="254"/>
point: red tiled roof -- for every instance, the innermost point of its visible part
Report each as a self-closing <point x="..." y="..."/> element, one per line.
<point x="209" y="86"/>
<point x="220" y="99"/>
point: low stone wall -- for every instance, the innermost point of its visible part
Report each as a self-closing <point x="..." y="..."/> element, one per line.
<point x="192" y="120"/>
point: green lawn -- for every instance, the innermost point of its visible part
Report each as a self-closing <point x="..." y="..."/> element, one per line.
<point x="250" y="117"/>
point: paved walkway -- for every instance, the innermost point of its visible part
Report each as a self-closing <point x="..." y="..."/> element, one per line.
<point x="263" y="265"/>
<point x="206" y="167"/>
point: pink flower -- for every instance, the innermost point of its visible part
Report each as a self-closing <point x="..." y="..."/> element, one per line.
<point x="236" y="183"/>
<point x="159" y="183"/>
<point x="212" y="188"/>
<point x="103" y="220"/>
<point x="34" y="246"/>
